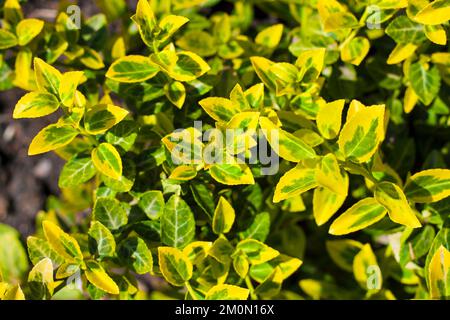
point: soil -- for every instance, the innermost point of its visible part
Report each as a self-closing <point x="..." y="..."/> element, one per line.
<point x="26" y="182"/>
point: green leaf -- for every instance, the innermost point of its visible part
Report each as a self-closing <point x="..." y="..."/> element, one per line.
<point x="152" y="203"/>
<point x="404" y="30"/>
<point x="13" y="258"/>
<point x="361" y="215"/>
<point x="200" y="42"/>
<point x="76" y="171"/>
<point x="35" y="104"/>
<point x="134" y="252"/>
<point x="393" y="199"/>
<point x="425" y="82"/>
<point x="7" y="39"/>
<point x="132" y="69"/>
<point x="107" y="160"/>
<point x="177" y="223"/>
<point x="223" y="218"/>
<point x="110" y="213"/>
<point x="99" y="278"/>
<point x="259" y="228"/>
<point x="101" y="240"/>
<point x="51" y="138"/>
<point x="174" y="265"/>
<point x="123" y="134"/>
<point x="428" y="186"/>
<point x="28" y="29"/>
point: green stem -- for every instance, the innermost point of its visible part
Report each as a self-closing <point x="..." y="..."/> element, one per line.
<point x="191" y="290"/>
<point x="249" y="284"/>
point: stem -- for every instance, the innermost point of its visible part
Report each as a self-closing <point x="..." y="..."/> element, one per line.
<point x="155" y="46"/>
<point x="249" y="284"/>
<point x="191" y="290"/>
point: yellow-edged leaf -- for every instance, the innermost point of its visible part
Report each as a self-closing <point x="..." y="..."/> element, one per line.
<point x="223" y="218"/>
<point x="285" y="144"/>
<point x="50" y="138"/>
<point x="174" y="265"/>
<point x="361" y="215"/>
<point x="393" y="199"/>
<point x="428" y="186"/>
<point x="28" y="29"/>
<point x="61" y="242"/>
<point x="35" y="104"/>
<point x="329" y="118"/>
<point x="107" y="160"/>
<point x="99" y="278"/>
<point x="295" y="182"/>
<point x="227" y="292"/>
<point x="439" y="274"/>
<point x="362" y="134"/>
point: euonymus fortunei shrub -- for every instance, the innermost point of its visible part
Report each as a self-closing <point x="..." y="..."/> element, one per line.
<point x="281" y="149"/>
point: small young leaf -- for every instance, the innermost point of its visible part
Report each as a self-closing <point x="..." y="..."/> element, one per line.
<point x="224" y="216"/>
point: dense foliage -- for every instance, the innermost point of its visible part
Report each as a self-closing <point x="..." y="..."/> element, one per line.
<point x="351" y="95"/>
